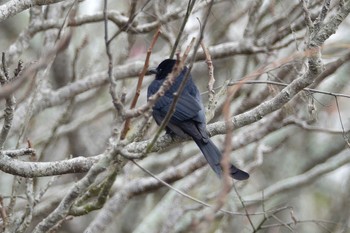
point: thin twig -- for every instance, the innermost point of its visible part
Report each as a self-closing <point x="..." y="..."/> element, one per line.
<point x="184" y="22"/>
<point x="341" y="123"/>
<point x="199" y="201"/>
<point x="307" y="16"/>
<point x="304" y="125"/>
<point x="225" y="161"/>
<point x="139" y="82"/>
<point x="282" y="222"/>
<point x="3" y="214"/>
<point x="10" y="103"/>
<point x="244" y="207"/>
<point x="317" y="222"/>
<point x="211" y="92"/>
<point x="4" y="68"/>
<point x="286" y="84"/>
<point x="210" y="71"/>
<point x="26" y="219"/>
<point x="113" y="84"/>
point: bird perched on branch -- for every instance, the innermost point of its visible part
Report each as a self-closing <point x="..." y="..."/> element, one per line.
<point x="188" y="117"/>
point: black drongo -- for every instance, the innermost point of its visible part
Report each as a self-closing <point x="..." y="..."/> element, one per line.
<point x="189" y="115"/>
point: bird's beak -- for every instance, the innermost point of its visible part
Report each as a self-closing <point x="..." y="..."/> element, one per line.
<point x="152" y="71"/>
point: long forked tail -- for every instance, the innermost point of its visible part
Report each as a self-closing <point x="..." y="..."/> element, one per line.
<point x="213" y="156"/>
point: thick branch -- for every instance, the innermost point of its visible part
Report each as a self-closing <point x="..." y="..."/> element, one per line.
<point x="79" y="188"/>
<point x="38" y="169"/>
<point x="14" y="7"/>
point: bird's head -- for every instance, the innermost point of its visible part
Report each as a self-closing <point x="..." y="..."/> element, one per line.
<point x="163" y="69"/>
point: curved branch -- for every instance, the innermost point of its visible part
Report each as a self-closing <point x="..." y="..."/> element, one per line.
<point x="38" y="169"/>
<point x="13" y="7"/>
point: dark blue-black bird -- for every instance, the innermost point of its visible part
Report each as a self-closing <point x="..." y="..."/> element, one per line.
<point x="189" y="115"/>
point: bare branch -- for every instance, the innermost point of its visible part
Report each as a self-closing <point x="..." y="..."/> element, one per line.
<point x="140" y="80"/>
<point x="37" y="169"/>
<point x="79" y="188"/>
<point x="14" y="7"/>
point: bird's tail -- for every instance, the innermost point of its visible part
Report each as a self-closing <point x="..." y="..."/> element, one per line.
<point x="213" y="156"/>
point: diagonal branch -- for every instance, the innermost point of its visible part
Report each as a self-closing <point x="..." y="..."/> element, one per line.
<point x="139" y="82"/>
<point x="13" y="7"/>
<point x="79" y="188"/>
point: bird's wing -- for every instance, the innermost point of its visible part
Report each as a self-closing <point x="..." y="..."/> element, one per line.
<point x="188" y="117"/>
<point x="186" y="107"/>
